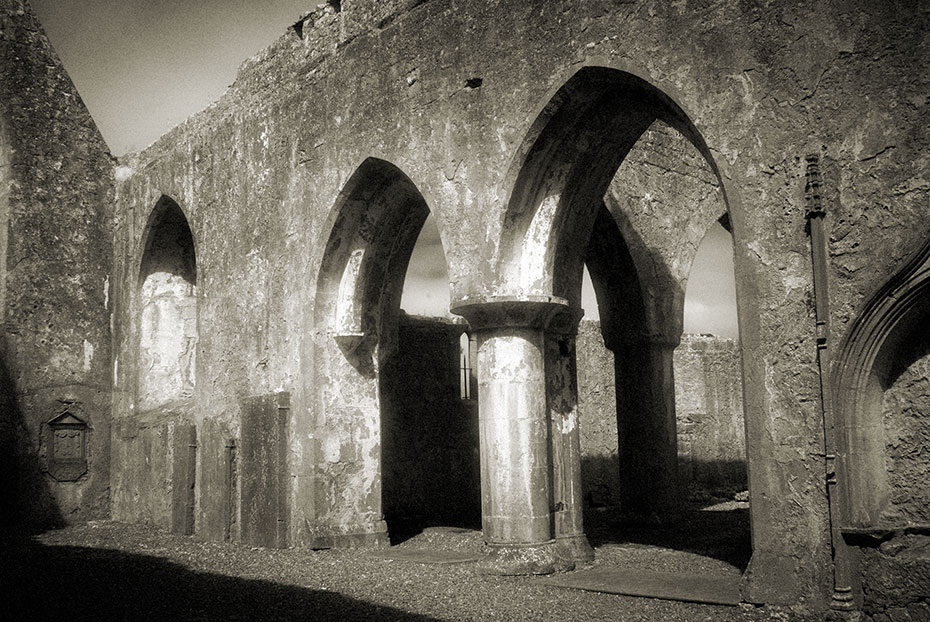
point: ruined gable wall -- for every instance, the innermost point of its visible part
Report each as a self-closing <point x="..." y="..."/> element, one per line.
<point x="259" y="172"/>
<point x="54" y="354"/>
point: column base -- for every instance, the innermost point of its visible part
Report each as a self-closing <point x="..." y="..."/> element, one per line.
<point x="373" y="536"/>
<point x="527" y="559"/>
<point x="576" y="548"/>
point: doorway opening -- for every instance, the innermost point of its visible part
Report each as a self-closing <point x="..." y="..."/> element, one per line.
<point x="430" y="461"/>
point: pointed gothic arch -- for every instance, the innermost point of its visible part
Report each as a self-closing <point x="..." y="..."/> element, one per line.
<point x="377" y="219"/>
<point x="889" y="334"/>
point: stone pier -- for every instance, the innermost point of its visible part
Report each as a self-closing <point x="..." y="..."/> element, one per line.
<point x="521" y="519"/>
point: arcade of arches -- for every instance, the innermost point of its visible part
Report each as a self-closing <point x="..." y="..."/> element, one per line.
<point x="218" y="321"/>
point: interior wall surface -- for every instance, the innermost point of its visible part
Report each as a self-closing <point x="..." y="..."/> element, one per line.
<point x="447" y="90"/>
<point x="56" y="197"/>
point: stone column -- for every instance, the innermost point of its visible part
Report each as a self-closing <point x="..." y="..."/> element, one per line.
<point x="562" y="396"/>
<point x="647" y="429"/>
<point x="516" y="468"/>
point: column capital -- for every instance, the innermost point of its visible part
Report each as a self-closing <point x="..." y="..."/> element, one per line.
<point x="539" y="312"/>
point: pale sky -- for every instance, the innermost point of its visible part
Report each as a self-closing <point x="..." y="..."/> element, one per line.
<point x="143" y="66"/>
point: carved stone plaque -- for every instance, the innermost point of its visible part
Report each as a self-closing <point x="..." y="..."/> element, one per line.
<point x="67" y="447"/>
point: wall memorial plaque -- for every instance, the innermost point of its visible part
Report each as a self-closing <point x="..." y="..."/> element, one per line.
<point x="67" y="447"/>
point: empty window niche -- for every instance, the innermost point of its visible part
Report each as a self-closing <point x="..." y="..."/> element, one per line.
<point x="167" y="310"/>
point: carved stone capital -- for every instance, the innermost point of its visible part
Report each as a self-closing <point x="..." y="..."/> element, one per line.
<point x="537" y="312"/>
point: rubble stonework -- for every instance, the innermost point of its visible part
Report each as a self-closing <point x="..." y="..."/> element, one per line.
<point x="56" y="234"/>
<point x="305" y="185"/>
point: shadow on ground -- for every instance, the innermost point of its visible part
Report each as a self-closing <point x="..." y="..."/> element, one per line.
<point x="718" y="534"/>
<point x="78" y="583"/>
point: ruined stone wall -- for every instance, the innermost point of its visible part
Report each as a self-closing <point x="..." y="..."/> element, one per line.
<point x="55" y="216"/>
<point x="906" y="415"/>
<point x="895" y="575"/>
<point x="448" y="91"/>
<point x="709" y="409"/>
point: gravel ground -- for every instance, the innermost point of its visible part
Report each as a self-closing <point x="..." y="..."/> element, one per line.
<point x="111" y="571"/>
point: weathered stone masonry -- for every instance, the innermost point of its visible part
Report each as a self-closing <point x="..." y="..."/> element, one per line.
<point x="304" y="187"/>
<point x="56" y="208"/>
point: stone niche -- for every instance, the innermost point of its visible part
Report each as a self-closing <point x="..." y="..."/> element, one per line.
<point x="168" y="312"/>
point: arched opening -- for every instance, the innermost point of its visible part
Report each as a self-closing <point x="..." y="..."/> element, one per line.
<point x="880" y="408"/>
<point x="387" y="382"/>
<point x="881" y="403"/>
<point x="429" y="455"/>
<point x="708" y="379"/>
<point x="154" y="451"/>
<point x="167" y="310"/>
<point x="615" y="179"/>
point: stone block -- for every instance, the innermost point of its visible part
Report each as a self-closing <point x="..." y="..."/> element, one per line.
<point x="264" y="471"/>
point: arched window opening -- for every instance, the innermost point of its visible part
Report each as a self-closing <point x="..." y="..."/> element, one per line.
<point x="675" y="410"/>
<point x="168" y="330"/>
<point x="710" y="297"/>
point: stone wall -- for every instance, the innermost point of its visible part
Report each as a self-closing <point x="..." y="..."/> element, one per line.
<point x="906" y="419"/>
<point x="56" y="215"/>
<point x="709" y="409"/>
<point x="597" y="418"/>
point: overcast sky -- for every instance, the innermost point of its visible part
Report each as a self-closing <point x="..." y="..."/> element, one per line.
<point x="143" y="66"/>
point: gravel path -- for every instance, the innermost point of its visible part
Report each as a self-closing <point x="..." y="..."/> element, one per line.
<point x="112" y="571"/>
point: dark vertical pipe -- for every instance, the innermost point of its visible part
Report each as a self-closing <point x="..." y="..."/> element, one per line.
<point x="230" y="486"/>
<point x="842" y="598"/>
<point x="190" y="500"/>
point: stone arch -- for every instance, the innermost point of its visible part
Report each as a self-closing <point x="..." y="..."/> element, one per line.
<point x="554" y="212"/>
<point x="888" y="335"/>
<point x="167" y="329"/>
<point x="377" y="219"/>
<point x="563" y="169"/>
<point x="378" y="216"/>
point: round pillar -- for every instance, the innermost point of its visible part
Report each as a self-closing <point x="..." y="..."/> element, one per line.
<point x="517" y="470"/>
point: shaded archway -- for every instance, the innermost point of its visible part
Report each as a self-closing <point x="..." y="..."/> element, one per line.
<point x="429" y="427"/>
<point x="360" y="367"/>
